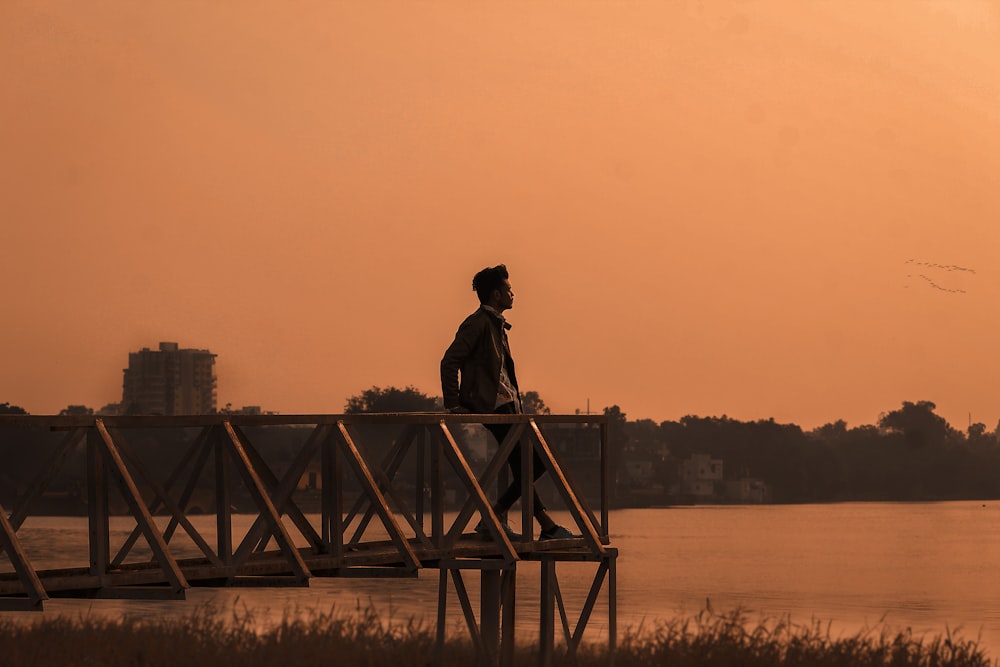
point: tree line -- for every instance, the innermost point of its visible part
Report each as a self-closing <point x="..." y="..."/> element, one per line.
<point x="911" y="453"/>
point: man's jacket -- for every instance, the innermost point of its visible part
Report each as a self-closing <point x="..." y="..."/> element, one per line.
<point x="475" y="354"/>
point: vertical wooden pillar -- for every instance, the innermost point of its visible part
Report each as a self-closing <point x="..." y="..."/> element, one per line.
<point x="612" y="608"/>
<point x="508" y="594"/>
<point x="97" y="506"/>
<point x="437" y="492"/>
<point x="489" y="613"/>
<point x="223" y="502"/>
<point x="546" y="615"/>
<point x="421" y="442"/>
<point x="442" y="616"/>
<point x="332" y="498"/>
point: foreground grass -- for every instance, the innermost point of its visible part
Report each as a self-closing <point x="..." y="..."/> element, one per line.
<point x="207" y="638"/>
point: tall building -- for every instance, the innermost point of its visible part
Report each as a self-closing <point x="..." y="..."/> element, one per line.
<point x="169" y="381"/>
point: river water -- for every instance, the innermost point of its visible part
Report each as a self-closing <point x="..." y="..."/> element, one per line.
<point x="926" y="566"/>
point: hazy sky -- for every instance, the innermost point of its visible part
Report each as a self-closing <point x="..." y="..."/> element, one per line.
<point x="706" y="207"/>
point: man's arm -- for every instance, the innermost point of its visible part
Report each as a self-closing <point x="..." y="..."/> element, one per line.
<point x="455" y="356"/>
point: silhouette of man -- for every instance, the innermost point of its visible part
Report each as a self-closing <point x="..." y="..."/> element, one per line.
<point x="477" y="376"/>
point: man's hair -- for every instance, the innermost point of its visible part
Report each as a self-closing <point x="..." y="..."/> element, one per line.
<point x="489" y="279"/>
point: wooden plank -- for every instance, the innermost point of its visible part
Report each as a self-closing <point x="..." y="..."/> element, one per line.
<point x="139" y="510"/>
<point x="256" y="488"/>
<point x="140" y="593"/>
<point x="66" y="422"/>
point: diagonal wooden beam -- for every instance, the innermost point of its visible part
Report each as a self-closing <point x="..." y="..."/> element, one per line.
<point x="489" y="475"/>
<point x="588" y="608"/>
<point x="389" y="491"/>
<point x="46" y="475"/>
<point x="390" y="464"/>
<point x="171" y="480"/>
<point x="140" y="511"/>
<point x="281" y="492"/>
<point x="584" y="504"/>
<point x="470" y="617"/>
<point x="162" y="497"/>
<point x="568" y="494"/>
<point x="364" y="475"/>
<point x="259" y="494"/>
<point x="461" y="467"/>
<point x="25" y="572"/>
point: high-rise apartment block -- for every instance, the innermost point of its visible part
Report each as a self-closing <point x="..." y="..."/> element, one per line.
<point x="169" y="381"/>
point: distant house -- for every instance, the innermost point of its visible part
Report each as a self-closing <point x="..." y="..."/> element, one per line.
<point x="701" y="476"/>
<point x="748" y="490"/>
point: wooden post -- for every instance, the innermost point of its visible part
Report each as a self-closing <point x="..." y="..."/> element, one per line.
<point x="546" y="614"/>
<point x="442" y="615"/>
<point x="489" y="612"/>
<point x="97" y="507"/>
<point x="437" y="489"/>
<point x="508" y="594"/>
<point x="612" y="607"/>
<point x="223" y="502"/>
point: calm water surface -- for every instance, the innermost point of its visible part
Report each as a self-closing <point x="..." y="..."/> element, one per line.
<point x="926" y="566"/>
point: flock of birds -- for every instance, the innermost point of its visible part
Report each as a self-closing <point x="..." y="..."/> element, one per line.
<point x="939" y="267"/>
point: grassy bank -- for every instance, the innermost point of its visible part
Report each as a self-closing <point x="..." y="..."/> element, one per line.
<point x="209" y="639"/>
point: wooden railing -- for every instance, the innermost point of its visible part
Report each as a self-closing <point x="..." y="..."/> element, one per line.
<point x="355" y="493"/>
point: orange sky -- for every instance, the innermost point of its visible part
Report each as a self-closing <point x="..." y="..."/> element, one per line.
<point x="706" y="207"/>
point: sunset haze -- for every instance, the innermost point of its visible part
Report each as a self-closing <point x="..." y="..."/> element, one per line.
<point x="752" y="208"/>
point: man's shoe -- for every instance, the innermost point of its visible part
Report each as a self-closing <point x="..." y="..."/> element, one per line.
<point x="557" y="532"/>
<point x="484" y="532"/>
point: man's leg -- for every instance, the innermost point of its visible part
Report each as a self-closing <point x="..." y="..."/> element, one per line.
<point x="513" y="492"/>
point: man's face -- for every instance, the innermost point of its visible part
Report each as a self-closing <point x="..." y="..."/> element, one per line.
<point x="505" y="298"/>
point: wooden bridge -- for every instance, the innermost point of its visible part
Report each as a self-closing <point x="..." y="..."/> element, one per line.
<point x="411" y="510"/>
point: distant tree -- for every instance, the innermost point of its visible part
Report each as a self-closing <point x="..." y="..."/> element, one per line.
<point x="918" y="424"/>
<point x="391" y="399"/>
<point x="8" y="409"/>
<point x="532" y="404"/>
<point x="76" y="410"/>
<point x="977" y="434"/>
<point x="831" y="432"/>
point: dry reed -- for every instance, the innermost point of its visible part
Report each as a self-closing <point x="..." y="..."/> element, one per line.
<point x="210" y="638"/>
